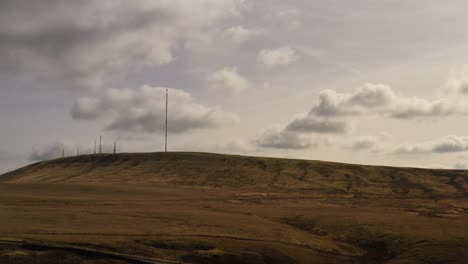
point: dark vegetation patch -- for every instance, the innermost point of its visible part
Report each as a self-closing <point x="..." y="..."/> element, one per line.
<point x="40" y="255"/>
<point x="189" y="245"/>
<point x="305" y="224"/>
<point x="223" y="257"/>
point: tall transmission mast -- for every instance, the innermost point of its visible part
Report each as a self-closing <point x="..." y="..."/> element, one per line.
<point x="63" y="152"/>
<point x="94" y="147"/>
<point x="115" y="147"/>
<point x="167" y="103"/>
<point x="100" y="144"/>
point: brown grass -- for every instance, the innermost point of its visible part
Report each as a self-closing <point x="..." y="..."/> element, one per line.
<point x="207" y="208"/>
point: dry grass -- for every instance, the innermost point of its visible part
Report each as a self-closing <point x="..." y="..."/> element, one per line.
<point x="206" y="208"/>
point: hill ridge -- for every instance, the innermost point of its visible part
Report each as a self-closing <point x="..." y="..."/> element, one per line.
<point x="221" y="170"/>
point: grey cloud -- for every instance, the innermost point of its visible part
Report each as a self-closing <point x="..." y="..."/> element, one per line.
<point x="451" y="144"/>
<point x="52" y="151"/>
<point x="282" y="140"/>
<point x="369" y="143"/>
<point x="457" y="83"/>
<point x="88" y="43"/>
<point x="419" y="108"/>
<point x="311" y="124"/>
<point x="448" y="144"/>
<point x="143" y="111"/>
<point x="379" y="99"/>
<point x="366" y="143"/>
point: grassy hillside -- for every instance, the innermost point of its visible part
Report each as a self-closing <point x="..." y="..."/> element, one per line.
<point x="202" y="169"/>
<point x="220" y="209"/>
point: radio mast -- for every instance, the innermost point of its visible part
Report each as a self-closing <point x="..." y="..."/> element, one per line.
<point x="167" y="102"/>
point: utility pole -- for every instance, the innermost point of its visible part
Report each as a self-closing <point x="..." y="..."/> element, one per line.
<point x="115" y="147"/>
<point x="94" y="147"/>
<point x="100" y="144"/>
<point x="167" y="103"/>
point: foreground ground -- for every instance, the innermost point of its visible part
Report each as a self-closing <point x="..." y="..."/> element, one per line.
<point x="72" y="221"/>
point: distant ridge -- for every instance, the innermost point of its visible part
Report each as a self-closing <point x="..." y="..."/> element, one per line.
<point x="218" y="170"/>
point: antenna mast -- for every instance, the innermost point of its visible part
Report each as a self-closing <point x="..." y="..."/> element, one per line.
<point x="167" y="100"/>
<point x="95" y="147"/>
<point x="115" y="147"/>
<point x="100" y="144"/>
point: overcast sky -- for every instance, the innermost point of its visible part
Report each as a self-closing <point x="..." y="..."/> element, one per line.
<point x="364" y="81"/>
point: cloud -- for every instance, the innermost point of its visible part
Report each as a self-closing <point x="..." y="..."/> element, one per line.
<point x="369" y="143"/>
<point x="364" y="143"/>
<point x="297" y="133"/>
<point x="143" y="111"/>
<point x="281" y="139"/>
<point x="448" y="144"/>
<point x="311" y="124"/>
<point x="282" y="56"/>
<point x="290" y="18"/>
<point x="240" y="34"/>
<point x="380" y="99"/>
<point x="457" y="82"/>
<point x="227" y="81"/>
<point x="236" y="146"/>
<point x="52" y="151"/>
<point x="88" y="43"/>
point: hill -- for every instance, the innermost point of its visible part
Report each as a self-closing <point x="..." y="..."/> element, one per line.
<point x="204" y="169"/>
<point x="220" y="209"/>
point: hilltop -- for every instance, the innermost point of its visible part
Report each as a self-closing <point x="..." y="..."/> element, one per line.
<point x="217" y="170"/>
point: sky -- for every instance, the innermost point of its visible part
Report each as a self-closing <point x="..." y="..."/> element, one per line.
<point x="364" y="81"/>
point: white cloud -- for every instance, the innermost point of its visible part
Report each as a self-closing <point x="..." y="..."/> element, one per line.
<point x="448" y="144"/>
<point x="227" y="81"/>
<point x="282" y="56"/>
<point x="143" y="111"/>
<point x="240" y="34"/>
<point x="88" y="43"/>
